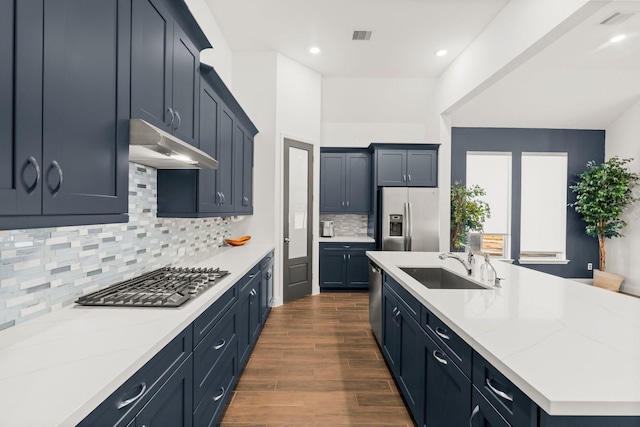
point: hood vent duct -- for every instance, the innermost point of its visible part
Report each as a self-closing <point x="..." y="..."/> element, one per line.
<point x="151" y="146"/>
<point x="616" y="18"/>
<point x="361" y="35"/>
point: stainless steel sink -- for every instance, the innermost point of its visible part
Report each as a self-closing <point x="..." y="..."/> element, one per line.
<point x="438" y="278"/>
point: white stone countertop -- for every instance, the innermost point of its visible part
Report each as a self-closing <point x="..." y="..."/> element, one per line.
<point x="56" y="369"/>
<point x="572" y="348"/>
<point x="346" y="239"/>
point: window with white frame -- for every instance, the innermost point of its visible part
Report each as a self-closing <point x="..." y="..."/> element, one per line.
<point x="492" y="172"/>
<point x="543" y="208"/>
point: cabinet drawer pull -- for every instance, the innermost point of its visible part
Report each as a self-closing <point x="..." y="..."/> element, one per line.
<point x="179" y="120"/>
<point x="125" y="403"/>
<point x="502" y="394"/>
<point x="473" y="414"/>
<point x="218" y="397"/>
<point x="173" y="115"/>
<point x="220" y="345"/>
<point x="56" y="189"/>
<point x="33" y="162"/>
<point x="440" y="357"/>
<point x="442" y="333"/>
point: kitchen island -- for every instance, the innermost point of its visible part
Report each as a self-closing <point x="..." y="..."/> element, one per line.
<point x="571" y="348"/>
<point x="58" y="368"/>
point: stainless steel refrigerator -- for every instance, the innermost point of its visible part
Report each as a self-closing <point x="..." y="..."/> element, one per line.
<point x="410" y="219"/>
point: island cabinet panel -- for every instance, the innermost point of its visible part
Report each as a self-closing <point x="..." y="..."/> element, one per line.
<point x="483" y="414"/>
<point x="448" y="390"/>
<point x="456" y="348"/>
<point x="64" y="112"/>
<point x="390" y="330"/>
<point x="411" y="368"/>
<point x="514" y="405"/>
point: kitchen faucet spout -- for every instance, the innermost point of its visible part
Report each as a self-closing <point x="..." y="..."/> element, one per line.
<point x="467" y="264"/>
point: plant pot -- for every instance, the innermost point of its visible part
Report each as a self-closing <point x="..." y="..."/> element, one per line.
<point x="605" y="280"/>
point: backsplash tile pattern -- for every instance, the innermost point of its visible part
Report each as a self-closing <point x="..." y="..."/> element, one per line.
<point x="45" y="269"/>
<point x="347" y="225"/>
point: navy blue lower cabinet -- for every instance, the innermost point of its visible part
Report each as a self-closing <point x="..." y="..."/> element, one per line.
<point x="411" y="369"/>
<point x="344" y="266"/>
<point x="171" y="405"/>
<point x="390" y="330"/>
<point x="485" y="415"/>
<point x="266" y="287"/>
<point x="448" y="390"/>
<point x="249" y="320"/>
<point x="547" y="420"/>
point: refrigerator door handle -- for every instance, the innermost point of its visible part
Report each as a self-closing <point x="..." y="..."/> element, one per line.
<point x="405" y="231"/>
<point x="409" y="226"/>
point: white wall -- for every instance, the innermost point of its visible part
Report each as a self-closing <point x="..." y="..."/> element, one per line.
<point x="298" y="114"/>
<point x="357" y="112"/>
<point x="622" y="139"/>
<point x="220" y="57"/>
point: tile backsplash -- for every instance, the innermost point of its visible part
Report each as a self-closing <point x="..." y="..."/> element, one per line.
<point x="347" y="225"/>
<point x="45" y="269"/>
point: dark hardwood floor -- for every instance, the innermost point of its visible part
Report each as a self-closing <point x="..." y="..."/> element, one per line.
<point x="317" y="363"/>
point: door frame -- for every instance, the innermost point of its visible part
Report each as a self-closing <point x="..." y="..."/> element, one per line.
<point x="297" y="143"/>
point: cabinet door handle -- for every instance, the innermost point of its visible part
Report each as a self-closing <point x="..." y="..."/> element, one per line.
<point x="349" y="257"/>
<point x="224" y="198"/>
<point x="125" y="403"/>
<point x="395" y="309"/>
<point x="409" y="176"/>
<point x="56" y="189"/>
<point x="245" y="201"/>
<point x="343" y="204"/>
<point x="219" y="345"/>
<point x="33" y="162"/>
<point x="439" y="357"/>
<point x="442" y="333"/>
<point x="347" y="203"/>
<point x="502" y="394"/>
<point x="173" y="115"/>
<point x="218" y="397"/>
<point x="179" y="120"/>
<point x="473" y="414"/>
<point x="404" y="178"/>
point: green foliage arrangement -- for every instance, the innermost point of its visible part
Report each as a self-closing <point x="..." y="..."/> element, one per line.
<point x="603" y="192"/>
<point x="468" y="213"/>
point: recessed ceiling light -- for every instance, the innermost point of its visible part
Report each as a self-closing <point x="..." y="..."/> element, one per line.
<point x="441" y="52"/>
<point x="315" y="50"/>
<point x="617" y="38"/>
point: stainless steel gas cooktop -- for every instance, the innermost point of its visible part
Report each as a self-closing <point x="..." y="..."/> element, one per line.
<point x="165" y="287"/>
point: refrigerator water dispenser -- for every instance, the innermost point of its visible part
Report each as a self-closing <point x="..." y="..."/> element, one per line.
<point x="395" y="225"/>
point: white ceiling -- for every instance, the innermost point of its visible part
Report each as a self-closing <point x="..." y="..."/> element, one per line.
<point x="406" y="33"/>
<point x="580" y="81"/>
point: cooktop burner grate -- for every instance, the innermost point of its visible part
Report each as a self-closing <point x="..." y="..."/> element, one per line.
<point x="165" y="287"/>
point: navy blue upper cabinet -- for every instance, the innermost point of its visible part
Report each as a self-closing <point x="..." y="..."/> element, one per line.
<point x="165" y="68"/>
<point x="407" y="167"/>
<point x="226" y="133"/>
<point x="345" y="182"/>
<point x="65" y="104"/>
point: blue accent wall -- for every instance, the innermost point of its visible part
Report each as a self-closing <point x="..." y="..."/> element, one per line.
<point x="580" y="146"/>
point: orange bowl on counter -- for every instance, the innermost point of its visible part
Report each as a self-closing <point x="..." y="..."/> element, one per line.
<point x="238" y="242"/>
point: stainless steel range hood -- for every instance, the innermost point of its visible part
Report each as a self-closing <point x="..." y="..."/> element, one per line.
<point x="151" y="146"/>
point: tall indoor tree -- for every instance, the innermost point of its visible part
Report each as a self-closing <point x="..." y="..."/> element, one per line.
<point x="468" y="213"/>
<point x="603" y="193"/>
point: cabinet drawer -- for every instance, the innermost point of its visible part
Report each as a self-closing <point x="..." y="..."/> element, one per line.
<point x="515" y="406"/>
<point x="207" y="320"/>
<point x="209" y="352"/>
<point x="457" y="349"/>
<point x="411" y="304"/>
<point x="210" y="410"/>
<point x="266" y="261"/>
<point x="246" y="279"/>
<point x="119" y="408"/>
<point x="483" y="414"/>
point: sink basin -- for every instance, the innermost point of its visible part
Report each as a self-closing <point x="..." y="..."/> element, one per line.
<point x="438" y="278"/>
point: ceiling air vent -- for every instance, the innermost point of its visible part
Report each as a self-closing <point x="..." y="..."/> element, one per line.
<point x="616" y="18"/>
<point x="361" y="35"/>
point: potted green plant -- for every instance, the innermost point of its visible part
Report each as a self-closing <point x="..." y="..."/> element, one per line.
<point x="603" y="192"/>
<point x="468" y="213"/>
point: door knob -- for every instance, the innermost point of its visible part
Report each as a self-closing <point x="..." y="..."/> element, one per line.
<point x="286" y="240"/>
